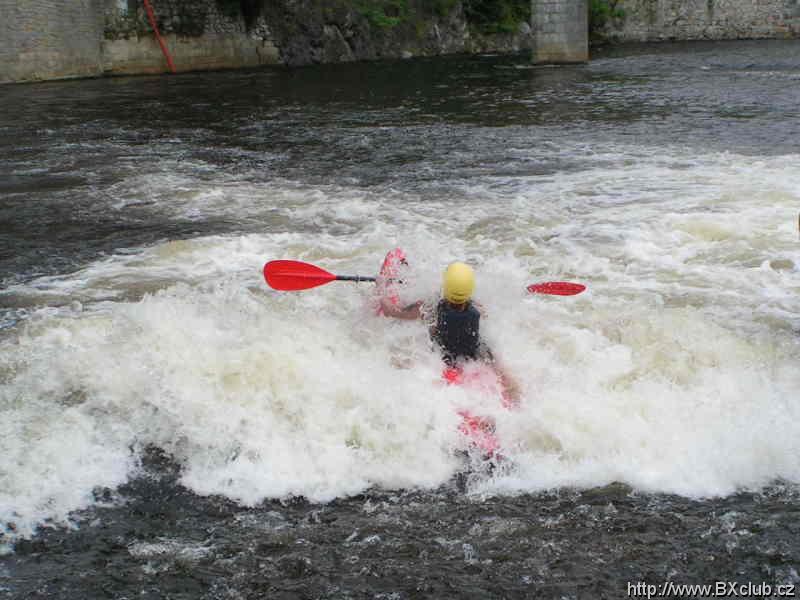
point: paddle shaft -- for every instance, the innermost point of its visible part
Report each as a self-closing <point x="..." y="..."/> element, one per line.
<point x="356" y="278"/>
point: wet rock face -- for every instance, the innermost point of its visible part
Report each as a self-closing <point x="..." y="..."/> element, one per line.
<point x="310" y="31"/>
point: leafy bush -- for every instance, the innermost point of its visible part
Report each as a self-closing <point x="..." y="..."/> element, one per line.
<point x="384" y="13"/>
<point x="442" y="8"/>
<point x="601" y="12"/>
<point x="497" y="16"/>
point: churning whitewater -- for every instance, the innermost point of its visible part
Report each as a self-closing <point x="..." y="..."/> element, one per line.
<point x="674" y="372"/>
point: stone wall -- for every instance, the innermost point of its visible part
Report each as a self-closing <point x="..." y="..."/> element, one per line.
<point x="55" y="39"/>
<point x="561" y="31"/>
<point x="656" y="20"/>
<point x="50" y="39"/>
<point x="198" y="34"/>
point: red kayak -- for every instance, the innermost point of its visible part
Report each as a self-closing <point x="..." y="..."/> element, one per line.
<point x="387" y="282"/>
<point x="479" y="430"/>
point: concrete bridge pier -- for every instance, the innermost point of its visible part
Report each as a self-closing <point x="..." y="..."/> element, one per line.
<point x="561" y="30"/>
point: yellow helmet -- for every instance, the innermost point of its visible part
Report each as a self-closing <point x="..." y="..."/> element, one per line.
<point x="458" y="283"/>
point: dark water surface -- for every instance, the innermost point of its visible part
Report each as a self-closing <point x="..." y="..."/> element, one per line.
<point x="168" y="543"/>
<point x="91" y="169"/>
<point x="70" y="149"/>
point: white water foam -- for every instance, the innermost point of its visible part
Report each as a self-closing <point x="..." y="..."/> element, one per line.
<point x="674" y="372"/>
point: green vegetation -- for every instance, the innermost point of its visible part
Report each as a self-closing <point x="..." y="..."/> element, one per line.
<point x="384" y="13"/>
<point x="497" y="16"/>
<point x="442" y="8"/>
<point x="486" y="16"/>
<point x="601" y="12"/>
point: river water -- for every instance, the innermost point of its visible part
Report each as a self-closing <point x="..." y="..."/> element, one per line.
<point x="171" y="427"/>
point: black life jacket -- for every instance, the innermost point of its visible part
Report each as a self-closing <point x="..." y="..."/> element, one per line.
<point x="456" y="331"/>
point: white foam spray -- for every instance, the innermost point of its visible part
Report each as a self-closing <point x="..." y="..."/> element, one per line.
<point x="674" y="372"/>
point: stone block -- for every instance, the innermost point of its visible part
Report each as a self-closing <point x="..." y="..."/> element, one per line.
<point x="561" y="31"/>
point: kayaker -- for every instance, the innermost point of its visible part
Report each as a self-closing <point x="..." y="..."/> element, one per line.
<point x="454" y="323"/>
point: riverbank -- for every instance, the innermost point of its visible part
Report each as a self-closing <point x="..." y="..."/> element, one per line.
<point x="49" y="40"/>
<point x="114" y="37"/>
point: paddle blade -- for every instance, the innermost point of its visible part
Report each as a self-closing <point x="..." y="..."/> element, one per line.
<point x="556" y="288"/>
<point x="293" y="275"/>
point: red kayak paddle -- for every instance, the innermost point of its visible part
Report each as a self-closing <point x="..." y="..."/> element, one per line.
<point x="556" y="288"/>
<point x="293" y="275"/>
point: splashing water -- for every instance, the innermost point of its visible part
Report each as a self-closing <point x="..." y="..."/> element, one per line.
<point x="674" y="372"/>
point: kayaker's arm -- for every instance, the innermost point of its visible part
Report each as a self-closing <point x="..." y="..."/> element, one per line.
<point x="509" y="384"/>
<point x="408" y="313"/>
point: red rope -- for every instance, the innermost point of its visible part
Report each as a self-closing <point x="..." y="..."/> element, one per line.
<point x="161" y="43"/>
